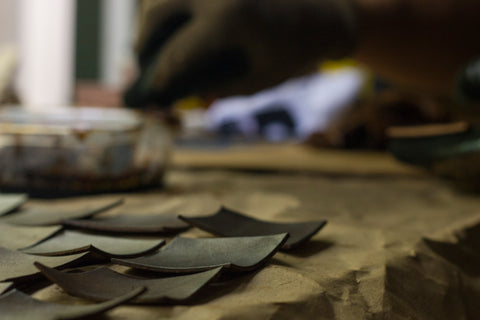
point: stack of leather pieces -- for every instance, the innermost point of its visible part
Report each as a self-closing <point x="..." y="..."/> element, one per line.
<point x="177" y="268"/>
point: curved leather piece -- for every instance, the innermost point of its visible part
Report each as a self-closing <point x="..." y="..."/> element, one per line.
<point x="103" y="284"/>
<point x="43" y="217"/>
<point x="71" y="242"/>
<point x="15" y="265"/>
<point x="17" y="305"/>
<point x="11" y="202"/>
<point x="17" y="237"/>
<point x="228" y="223"/>
<point x="4" y="286"/>
<point x="185" y="255"/>
<point x="132" y="224"/>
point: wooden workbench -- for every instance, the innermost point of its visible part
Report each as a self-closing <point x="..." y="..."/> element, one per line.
<point x="370" y="262"/>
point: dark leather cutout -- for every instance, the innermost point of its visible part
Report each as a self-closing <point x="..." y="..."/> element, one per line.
<point x="11" y="202"/>
<point x="15" y="237"/>
<point x="184" y="255"/>
<point x="71" y="242"/>
<point x="36" y="217"/>
<point x="17" y="305"/>
<point x="15" y="265"/>
<point x="228" y="223"/>
<point x="103" y="284"/>
<point x="132" y="224"/>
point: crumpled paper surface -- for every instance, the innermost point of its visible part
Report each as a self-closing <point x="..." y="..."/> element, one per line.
<point x="395" y="248"/>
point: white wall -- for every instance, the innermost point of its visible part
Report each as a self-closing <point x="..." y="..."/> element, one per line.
<point x="8" y="52"/>
<point x="45" y="31"/>
<point x="117" y="33"/>
<point x="47" y="40"/>
<point x="8" y="14"/>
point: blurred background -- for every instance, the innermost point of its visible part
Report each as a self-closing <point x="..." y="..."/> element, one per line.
<point x="68" y="52"/>
<point x="56" y="55"/>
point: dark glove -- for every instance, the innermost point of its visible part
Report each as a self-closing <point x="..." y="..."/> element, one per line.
<point x="216" y="48"/>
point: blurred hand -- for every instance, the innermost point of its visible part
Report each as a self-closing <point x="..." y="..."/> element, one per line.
<point x="364" y="125"/>
<point x="224" y="47"/>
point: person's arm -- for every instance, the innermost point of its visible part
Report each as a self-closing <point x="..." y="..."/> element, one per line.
<point x="224" y="47"/>
<point x="215" y="48"/>
<point x="422" y="44"/>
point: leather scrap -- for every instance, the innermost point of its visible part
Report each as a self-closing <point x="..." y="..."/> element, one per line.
<point x="15" y="265"/>
<point x="185" y="255"/>
<point x="104" y="284"/>
<point x="132" y="224"/>
<point x="16" y="237"/>
<point x="43" y="217"/>
<point x="228" y="223"/>
<point x="11" y="202"/>
<point x="72" y="242"/>
<point x="17" y="305"/>
<point x="5" y="286"/>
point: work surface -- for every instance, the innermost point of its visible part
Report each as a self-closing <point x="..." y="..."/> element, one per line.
<point x="398" y="245"/>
